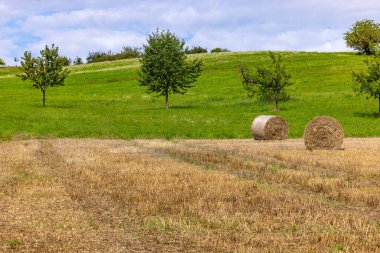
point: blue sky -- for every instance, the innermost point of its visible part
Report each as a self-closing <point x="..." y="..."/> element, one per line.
<point x="78" y="27"/>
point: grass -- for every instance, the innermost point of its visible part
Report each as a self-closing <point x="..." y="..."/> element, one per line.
<point x="104" y="100"/>
<point x="14" y="243"/>
<point x="87" y="195"/>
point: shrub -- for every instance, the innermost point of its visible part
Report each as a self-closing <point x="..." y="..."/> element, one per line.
<point x="126" y="53"/>
<point x="219" y="50"/>
<point x="130" y="52"/>
<point x="78" y="61"/>
<point x="66" y="61"/>
<point x="196" y="50"/>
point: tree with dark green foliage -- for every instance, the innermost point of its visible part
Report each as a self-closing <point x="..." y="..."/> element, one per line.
<point x="78" y="61"/>
<point x="268" y="82"/>
<point x="130" y="52"/>
<point x="165" y="69"/>
<point x="2" y="62"/>
<point x="98" y="56"/>
<point x="45" y="70"/>
<point x="219" y="50"/>
<point x="66" y="61"/>
<point x="364" y="36"/>
<point x="126" y="53"/>
<point x="196" y="50"/>
<point x="367" y="81"/>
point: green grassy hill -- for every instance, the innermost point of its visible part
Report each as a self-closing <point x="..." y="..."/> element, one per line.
<point x="104" y="100"/>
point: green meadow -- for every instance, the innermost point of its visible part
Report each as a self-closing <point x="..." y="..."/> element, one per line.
<point x="104" y="100"/>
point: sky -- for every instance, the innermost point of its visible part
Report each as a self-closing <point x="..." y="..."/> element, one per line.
<point x="81" y="26"/>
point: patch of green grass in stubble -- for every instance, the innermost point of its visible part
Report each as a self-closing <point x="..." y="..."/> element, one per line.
<point x="14" y="243"/>
<point x="104" y="100"/>
<point x="30" y="176"/>
<point x="338" y="248"/>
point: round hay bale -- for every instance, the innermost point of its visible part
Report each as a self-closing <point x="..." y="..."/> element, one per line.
<point x="323" y="132"/>
<point x="268" y="127"/>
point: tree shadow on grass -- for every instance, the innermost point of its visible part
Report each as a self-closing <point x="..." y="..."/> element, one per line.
<point x="54" y="106"/>
<point x="366" y="115"/>
<point x="174" y="107"/>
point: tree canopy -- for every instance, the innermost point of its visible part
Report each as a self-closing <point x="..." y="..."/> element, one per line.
<point x="126" y="53"/>
<point x="363" y="36"/>
<point x="196" y="50"/>
<point x="367" y="81"/>
<point x="77" y="61"/>
<point x="268" y="82"/>
<point x="164" y="66"/>
<point x="45" y="70"/>
<point x="219" y="50"/>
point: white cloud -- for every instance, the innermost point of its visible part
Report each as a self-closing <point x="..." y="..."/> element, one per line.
<point x="80" y="26"/>
<point x="6" y="46"/>
<point x="337" y="45"/>
<point x="79" y="42"/>
<point x="303" y="40"/>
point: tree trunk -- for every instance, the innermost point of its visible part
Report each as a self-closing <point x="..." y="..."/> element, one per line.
<point x="43" y="98"/>
<point x="276" y="104"/>
<point x="367" y="50"/>
<point x="167" y="100"/>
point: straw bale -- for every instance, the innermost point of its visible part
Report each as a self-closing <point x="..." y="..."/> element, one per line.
<point x="323" y="132"/>
<point x="269" y="127"/>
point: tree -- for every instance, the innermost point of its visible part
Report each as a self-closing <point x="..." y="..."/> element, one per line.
<point x="368" y="81"/>
<point x="269" y="82"/>
<point x="45" y="70"/>
<point x="130" y="52"/>
<point x="219" y="50"/>
<point x="196" y="50"/>
<point x="2" y="62"/>
<point x="66" y="61"/>
<point x="97" y="56"/>
<point x="78" y="61"/>
<point x="127" y="53"/>
<point x="364" y="36"/>
<point x="165" y="69"/>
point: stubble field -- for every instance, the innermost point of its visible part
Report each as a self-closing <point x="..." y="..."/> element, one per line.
<point x="85" y="195"/>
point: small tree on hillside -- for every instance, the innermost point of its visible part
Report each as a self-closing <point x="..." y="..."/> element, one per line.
<point x="268" y="82"/>
<point x="196" y="50"/>
<point x="78" y="61"/>
<point x="164" y="67"/>
<point x="219" y="50"/>
<point x="45" y="70"/>
<point x="66" y="61"/>
<point x="363" y="36"/>
<point x="130" y="52"/>
<point x="367" y="82"/>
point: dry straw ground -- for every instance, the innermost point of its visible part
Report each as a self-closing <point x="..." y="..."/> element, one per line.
<point x="188" y="196"/>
